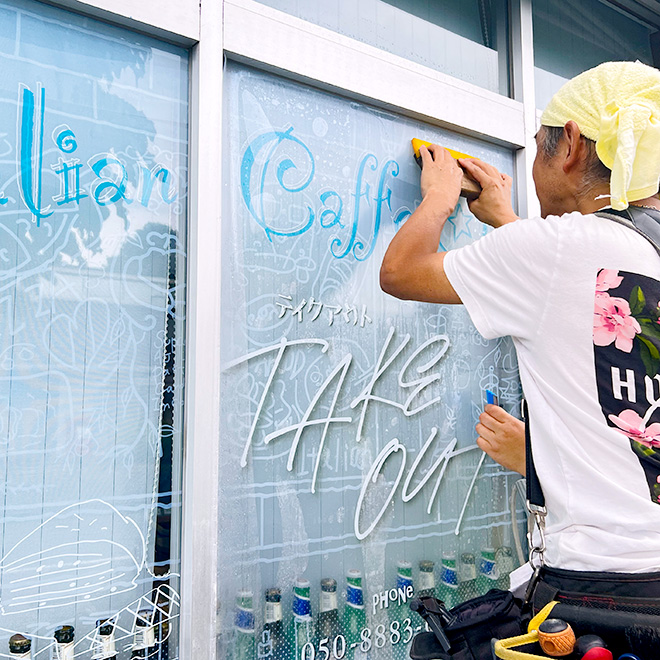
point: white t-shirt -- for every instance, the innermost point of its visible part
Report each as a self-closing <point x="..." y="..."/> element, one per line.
<point x="567" y="289"/>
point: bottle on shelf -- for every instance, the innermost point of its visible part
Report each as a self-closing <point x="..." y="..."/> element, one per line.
<point x="327" y="622"/>
<point x="104" y="641"/>
<point x="504" y="564"/>
<point x="20" y="647"/>
<point x="144" y="637"/>
<point x="64" y="636"/>
<point x="273" y="644"/>
<point x="244" y="637"/>
<point x="448" y="590"/>
<point x="426" y="584"/>
<point x="400" y="613"/>
<point x="487" y="578"/>
<point x="162" y="626"/>
<point x="355" y="616"/>
<point x="302" y="625"/>
<point x="425" y="589"/>
<point x="467" y="578"/>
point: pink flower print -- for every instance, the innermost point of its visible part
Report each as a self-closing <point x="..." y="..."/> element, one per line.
<point x="614" y="323"/>
<point x="608" y="279"/>
<point x="632" y="425"/>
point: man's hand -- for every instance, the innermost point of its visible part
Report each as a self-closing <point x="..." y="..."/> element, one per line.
<point x="441" y="174"/>
<point x="502" y="437"/>
<point x="493" y="206"/>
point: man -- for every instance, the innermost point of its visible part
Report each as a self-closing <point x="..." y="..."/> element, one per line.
<point x="579" y="294"/>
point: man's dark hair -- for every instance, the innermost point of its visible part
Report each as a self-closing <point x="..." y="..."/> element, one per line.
<point x="595" y="173"/>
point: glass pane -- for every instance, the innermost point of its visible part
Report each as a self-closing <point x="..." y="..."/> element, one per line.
<point x="573" y="36"/>
<point x="467" y="39"/>
<point x="348" y="436"/>
<point x="92" y="252"/>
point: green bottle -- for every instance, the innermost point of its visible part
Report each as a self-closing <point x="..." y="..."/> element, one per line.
<point x="301" y="632"/>
<point x="426" y="584"/>
<point x="273" y="644"/>
<point x="355" y="616"/>
<point x="327" y="622"/>
<point x="487" y="578"/>
<point x="448" y="590"/>
<point x="504" y="563"/>
<point x="20" y="647"/>
<point x="425" y="589"/>
<point x="244" y="638"/>
<point x="467" y="578"/>
<point x="400" y="616"/>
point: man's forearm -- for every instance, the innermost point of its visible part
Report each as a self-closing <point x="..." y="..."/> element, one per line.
<point x="412" y="268"/>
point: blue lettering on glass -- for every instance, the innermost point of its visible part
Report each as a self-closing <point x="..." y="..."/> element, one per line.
<point x="109" y="169"/>
<point x="148" y="178"/>
<point x="65" y="139"/>
<point x="273" y="139"/>
<point x="334" y="217"/>
<point x="372" y="161"/>
<point x="401" y="216"/>
<point x="264" y="150"/>
<point x="379" y="199"/>
<point x="31" y="139"/>
<point x="70" y="190"/>
<point x="103" y="191"/>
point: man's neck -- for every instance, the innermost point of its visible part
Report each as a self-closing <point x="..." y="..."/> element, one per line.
<point x="649" y="203"/>
<point x="595" y="202"/>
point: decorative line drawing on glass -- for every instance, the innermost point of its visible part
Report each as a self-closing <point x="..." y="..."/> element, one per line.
<point x="78" y="560"/>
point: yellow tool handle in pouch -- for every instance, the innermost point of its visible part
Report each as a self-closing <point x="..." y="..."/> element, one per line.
<point x="503" y="647"/>
<point x="503" y="650"/>
<point x="469" y="187"/>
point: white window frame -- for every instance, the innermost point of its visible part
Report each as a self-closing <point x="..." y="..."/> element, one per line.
<point x="249" y="32"/>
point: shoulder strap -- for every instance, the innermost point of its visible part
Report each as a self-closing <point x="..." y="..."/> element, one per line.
<point x="534" y="491"/>
<point x="642" y="220"/>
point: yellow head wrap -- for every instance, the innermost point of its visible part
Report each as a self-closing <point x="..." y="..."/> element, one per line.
<point x="617" y="105"/>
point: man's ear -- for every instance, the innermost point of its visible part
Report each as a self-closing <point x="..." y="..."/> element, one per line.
<point x="574" y="146"/>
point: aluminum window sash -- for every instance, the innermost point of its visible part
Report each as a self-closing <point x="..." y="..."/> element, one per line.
<point x="175" y="22"/>
<point x="273" y="40"/>
<point x="202" y="437"/>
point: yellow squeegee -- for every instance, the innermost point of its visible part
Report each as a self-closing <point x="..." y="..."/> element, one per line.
<point x="469" y="187"/>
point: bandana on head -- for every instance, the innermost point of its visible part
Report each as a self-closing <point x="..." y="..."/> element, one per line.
<point x="617" y="105"/>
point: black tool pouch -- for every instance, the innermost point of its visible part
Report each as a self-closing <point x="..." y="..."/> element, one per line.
<point x="474" y="623"/>
<point x="622" y="608"/>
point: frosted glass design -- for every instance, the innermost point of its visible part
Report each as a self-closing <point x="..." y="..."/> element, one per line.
<point x="467" y="39"/>
<point x="573" y="36"/>
<point x="92" y="222"/>
<point x="348" y="435"/>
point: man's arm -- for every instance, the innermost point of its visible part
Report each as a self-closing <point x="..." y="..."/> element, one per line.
<point x="412" y="268"/>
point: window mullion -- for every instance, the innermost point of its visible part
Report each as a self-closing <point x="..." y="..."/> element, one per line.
<point x="522" y="58"/>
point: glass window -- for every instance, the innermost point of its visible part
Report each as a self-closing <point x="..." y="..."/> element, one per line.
<point x="92" y="255"/>
<point x="349" y="463"/>
<point x="571" y="37"/>
<point x="467" y="39"/>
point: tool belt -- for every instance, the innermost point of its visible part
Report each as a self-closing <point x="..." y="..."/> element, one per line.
<point x="622" y="608"/>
